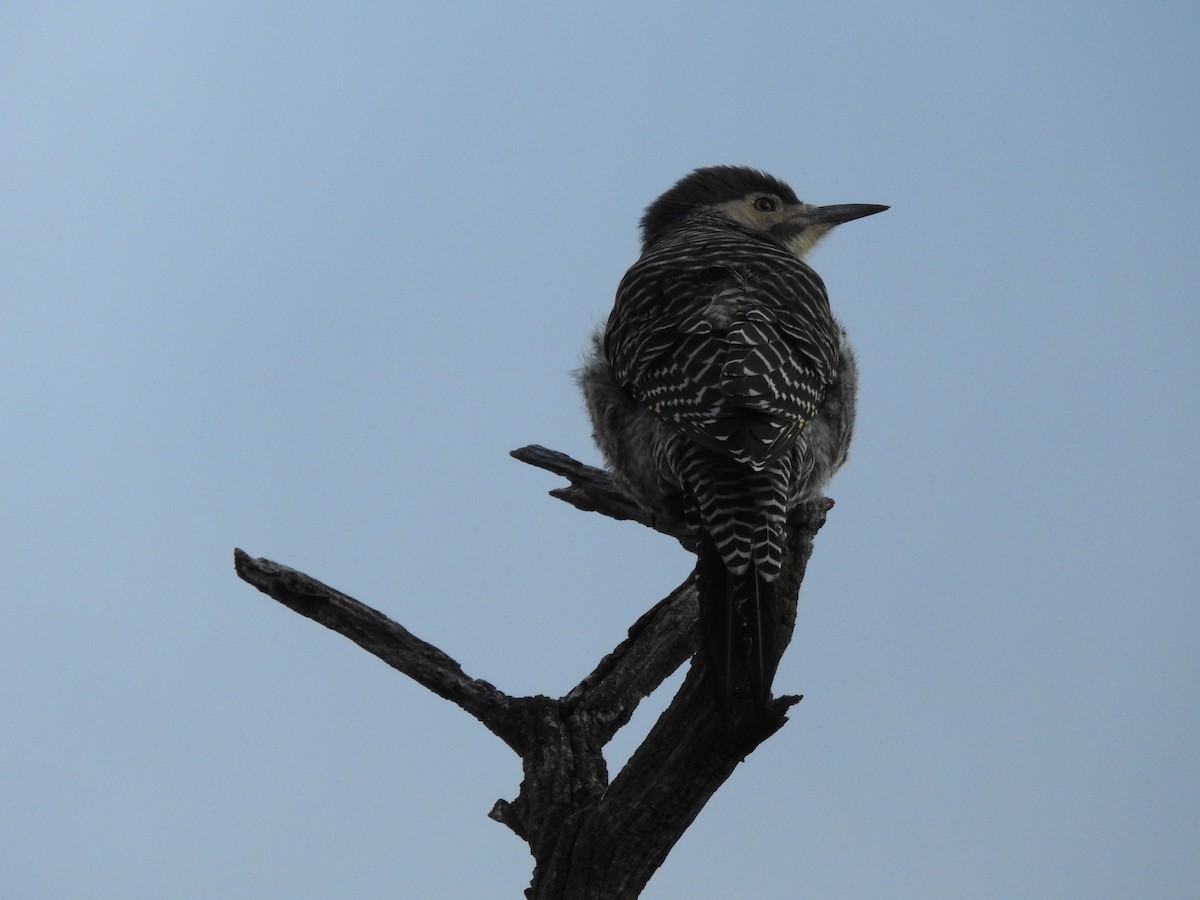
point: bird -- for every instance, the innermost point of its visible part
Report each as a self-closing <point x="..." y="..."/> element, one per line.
<point x="721" y="392"/>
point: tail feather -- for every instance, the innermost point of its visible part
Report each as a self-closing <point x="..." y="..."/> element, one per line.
<point x="740" y="629"/>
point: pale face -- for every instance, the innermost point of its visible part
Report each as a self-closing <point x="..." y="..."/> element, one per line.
<point x="767" y="212"/>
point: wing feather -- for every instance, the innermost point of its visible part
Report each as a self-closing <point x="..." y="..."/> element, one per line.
<point x="727" y="337"/>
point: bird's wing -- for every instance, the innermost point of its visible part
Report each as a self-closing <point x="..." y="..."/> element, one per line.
<point x="729" y="341"/>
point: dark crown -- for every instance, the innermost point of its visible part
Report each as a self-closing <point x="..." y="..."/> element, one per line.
<point x="710" y="186"/>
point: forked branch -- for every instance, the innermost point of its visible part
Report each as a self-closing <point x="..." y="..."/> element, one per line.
<point x="590" y="839"/>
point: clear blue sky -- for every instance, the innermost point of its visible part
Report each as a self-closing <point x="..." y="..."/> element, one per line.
<point x="296" y="277"/>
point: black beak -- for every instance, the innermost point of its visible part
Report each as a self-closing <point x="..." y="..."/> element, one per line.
<point x="836" y="215"/>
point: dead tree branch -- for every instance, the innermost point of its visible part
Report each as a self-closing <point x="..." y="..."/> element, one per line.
<point x="591" y="839"/>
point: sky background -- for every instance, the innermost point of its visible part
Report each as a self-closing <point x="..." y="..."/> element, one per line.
<point x="295" y="277"/>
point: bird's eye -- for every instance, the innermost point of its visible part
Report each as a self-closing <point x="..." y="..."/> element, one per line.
<point x="765" y="204"/>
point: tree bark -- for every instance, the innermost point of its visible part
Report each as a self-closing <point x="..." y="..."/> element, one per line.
<point x="590" y="839"/>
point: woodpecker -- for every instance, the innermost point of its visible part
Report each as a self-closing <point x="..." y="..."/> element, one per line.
<point x="721" y="391"/>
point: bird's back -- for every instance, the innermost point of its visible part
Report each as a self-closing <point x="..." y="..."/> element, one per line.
<point x="727" y="337"/>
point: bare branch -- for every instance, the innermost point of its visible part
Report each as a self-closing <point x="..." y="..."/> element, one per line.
<point x="388" y="640"/>
<point x="687" y="756"/>
<point x="595" y="490"/>
<point x="658" y="644"/>
<point x="591" y="840"/>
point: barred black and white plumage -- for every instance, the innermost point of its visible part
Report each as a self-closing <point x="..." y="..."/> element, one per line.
<point x="722" y="389"/>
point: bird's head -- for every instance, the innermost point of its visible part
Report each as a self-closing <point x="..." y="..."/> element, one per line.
<point x="753" y="199"/>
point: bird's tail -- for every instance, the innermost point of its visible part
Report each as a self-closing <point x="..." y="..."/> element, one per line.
<point x="740" y="628"/>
